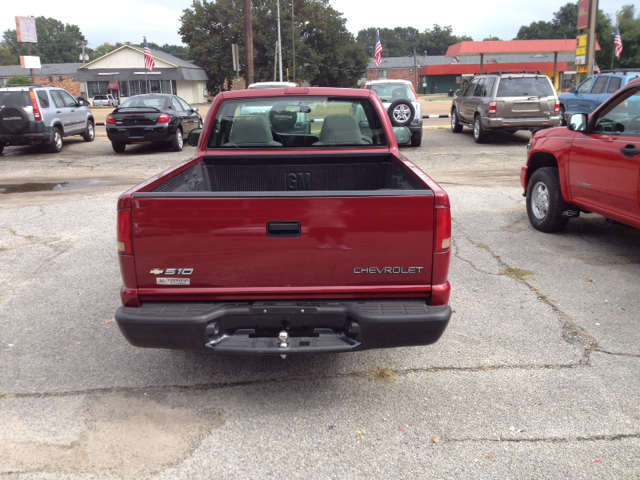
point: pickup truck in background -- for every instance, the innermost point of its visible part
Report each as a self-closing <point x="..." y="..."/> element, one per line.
<point x="590" y="166"/>
<point x="282" y="238"/>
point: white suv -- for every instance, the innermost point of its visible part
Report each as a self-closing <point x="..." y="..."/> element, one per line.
<point x="401" y="102"/>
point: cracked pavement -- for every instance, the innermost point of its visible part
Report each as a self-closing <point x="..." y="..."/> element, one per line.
<point x="536" y="376"/>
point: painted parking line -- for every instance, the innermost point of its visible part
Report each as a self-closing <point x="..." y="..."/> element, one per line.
<point x="99" y="124"/>
<point x="436" y="116"/>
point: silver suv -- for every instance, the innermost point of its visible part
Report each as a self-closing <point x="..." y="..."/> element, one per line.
<point x="507" y="101"/>
<point x="401" y="102"/>
<point x="31" y="115"/>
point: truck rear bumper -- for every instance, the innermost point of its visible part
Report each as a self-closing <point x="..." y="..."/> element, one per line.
<point x="312" y="327"/>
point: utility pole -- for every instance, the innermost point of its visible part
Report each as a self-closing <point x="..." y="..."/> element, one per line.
<point x="279" y="41"/>
<point x="275" y="64"/>
<point x="591" y="41"/>
<point x="248" y="42"/>
<point x="293" y="41"/>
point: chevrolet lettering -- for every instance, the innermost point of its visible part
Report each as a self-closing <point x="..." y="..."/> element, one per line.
<point x="395" y="270"/>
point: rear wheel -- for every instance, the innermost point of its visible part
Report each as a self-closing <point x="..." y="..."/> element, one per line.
<point x="480" y="135"/>
<point x="56" y="140"/>
<point x="118" y="147"/>
<point x="90" y="133"/>
<point x="1" y="148"/>
<point x="456" y="126"/>
<point x="177" y="142"/>
<point x="544" y="201"/>
<point x="416" y="139"/>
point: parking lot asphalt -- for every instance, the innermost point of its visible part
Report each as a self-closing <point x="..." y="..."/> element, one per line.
<point x="536" y="376"/>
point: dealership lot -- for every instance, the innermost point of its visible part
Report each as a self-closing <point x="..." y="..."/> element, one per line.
<point x="536" y="376"/>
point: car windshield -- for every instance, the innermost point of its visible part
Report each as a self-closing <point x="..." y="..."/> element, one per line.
<point x="15" y="99"/>
<point x="390" y="92"/>
<point x="152" y="101"/>
<point x="297" y="122"/>
<point x="525" y="87"/>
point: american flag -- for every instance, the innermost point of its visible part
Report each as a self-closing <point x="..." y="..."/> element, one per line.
<point x="617" y="41"/>
<point x="148" y="59"/>
<point x="378" y="57"/>
<point x="596" y="69"/>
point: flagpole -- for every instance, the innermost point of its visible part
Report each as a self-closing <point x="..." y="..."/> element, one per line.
<point x="146" y="82"/>
<point x="614" y="51"/>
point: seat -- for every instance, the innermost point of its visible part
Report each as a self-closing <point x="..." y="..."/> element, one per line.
<point x="251" y="131"/>
<point x="341" y="130"/>
<point x="397" y="93"/>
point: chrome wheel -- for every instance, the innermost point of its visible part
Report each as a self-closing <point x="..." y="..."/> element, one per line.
<point x="540" y="200"/>
<point x="402" y="113"/>
<point x="476" y="129"/>
<point x="453" y="120"/>
<point x="90" y="131"/>
<point x="179" y="138"/>
<point x="57" y="140"/>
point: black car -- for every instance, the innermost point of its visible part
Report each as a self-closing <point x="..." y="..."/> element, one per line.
<point x="155" y="118"/>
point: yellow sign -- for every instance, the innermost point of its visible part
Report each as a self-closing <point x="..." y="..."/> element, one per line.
<point x="581" y="51"/>
<point x="581" y="69"/>
<point x="582" y="40"/>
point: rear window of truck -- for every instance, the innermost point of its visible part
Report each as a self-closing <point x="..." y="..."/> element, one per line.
<point x="296" y="122"/>
<point x="525" y="87"/>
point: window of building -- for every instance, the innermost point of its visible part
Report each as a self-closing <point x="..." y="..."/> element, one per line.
<point x="382" y="74"/>
<point x="61" y="78"/>
<point x="96" y="88"/>
<point x="166" y="86"/>
<point x="124" y="89"/>
<point x="154" y="86"/>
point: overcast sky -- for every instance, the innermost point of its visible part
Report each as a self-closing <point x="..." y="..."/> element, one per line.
<point x="159" y="20"/>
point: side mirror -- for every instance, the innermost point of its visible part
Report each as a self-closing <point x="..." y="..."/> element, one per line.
<point x="194" y="137"/>
<point x="458" y="93"/>
<point x="82" y="102"/>
<point x="578" y="122"/>
<point x="195" y="109"/>
<point x="402" y="134"/>
<point x="572" y="90"/>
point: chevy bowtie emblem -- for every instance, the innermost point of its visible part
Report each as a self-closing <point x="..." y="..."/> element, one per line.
<point x="172" y="271"/>
<point x="156" y="271"/>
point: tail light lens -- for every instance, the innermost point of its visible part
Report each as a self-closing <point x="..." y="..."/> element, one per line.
<point x="36" y="109"/>
<point x="493" y="106"/>
<point x="557" y="106"/>
<point x="414" y="92"/>
<point x="443" y="229"/>
<point x="164" y="118"/>
<point x="111" y="120"/>
<point x="125" y="244"/>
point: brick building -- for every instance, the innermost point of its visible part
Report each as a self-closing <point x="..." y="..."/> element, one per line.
<point x="51" y="74"/>
<point x="397" y="68"/>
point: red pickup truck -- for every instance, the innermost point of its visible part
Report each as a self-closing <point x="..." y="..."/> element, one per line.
<point x="591" y="166"/>
<point x="297" y="228"/>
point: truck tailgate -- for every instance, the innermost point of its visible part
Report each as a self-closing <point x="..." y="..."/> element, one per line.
<point x="227" y="247"/>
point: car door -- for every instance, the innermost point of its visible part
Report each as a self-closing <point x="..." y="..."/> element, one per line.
<point x="597" y="95"/>
<point x="62" y="111"/>
<point x="181" y="114"/>
<point x="577" y="102"/>
<point x="77" y="115"/>
<point x="604" y="164"/>
<point x="476" y="98"/>
<point x="191" y="116"/>
<point x="465" y="102"/>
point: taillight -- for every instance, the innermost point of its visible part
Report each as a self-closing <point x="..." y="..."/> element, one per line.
<point x="443" y="229"/>
<point x="557" y="106"/>
<point x="111" y="120"/>
<point x="36" y="110"/>
<point x="164" y="118"/>
<point x="493" y="106"/>
<point x="124" y="232"/>
<point x="414" y="92"/>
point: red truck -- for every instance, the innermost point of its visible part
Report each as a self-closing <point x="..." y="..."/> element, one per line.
<point x="297" y="228"/>
<point x="591" y="166"/>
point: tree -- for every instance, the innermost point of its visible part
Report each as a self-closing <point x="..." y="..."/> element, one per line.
<point x="437" y="40"/>
<point x="19" y="80"/>
<point x="326" y="53"/>
<point x="57" y="42"/>
<point x="492" y="39"/>
<point x="398" y="42"/>
<point x="105" y="48"/>
<point x="6" y="57"/>
<point x="629" y="25"/>
<point x="179" y="51"/>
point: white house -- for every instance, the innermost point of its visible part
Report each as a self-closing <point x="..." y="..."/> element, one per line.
<point x="123" y="74"/>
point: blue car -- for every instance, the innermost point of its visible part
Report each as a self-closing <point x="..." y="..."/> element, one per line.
<point x="592" y="92"/>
